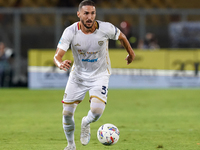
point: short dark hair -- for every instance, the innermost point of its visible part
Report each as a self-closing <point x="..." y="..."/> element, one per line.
<point x="86" y="2"/>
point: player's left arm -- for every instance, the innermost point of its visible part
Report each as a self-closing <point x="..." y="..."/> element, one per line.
<point x="125" y="43"/>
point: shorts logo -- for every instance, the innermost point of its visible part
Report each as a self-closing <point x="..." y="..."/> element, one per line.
<point x="100" y="43"/>
<point x="65" y="96"/>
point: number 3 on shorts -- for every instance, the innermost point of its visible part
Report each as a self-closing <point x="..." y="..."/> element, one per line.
<point x="104" y="90"/>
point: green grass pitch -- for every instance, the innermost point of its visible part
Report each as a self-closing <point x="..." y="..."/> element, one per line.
<point x="148" y="119"/>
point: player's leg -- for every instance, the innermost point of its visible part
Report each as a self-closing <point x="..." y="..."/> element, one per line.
<point x="68" y="123"/>
<point x="74" y="93"/>
<point x="96" y="110"/>
<point x="98" y="99"/>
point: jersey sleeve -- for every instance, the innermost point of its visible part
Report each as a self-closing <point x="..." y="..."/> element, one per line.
<point x="65" y="39"/>
<point x="112" y="31"/>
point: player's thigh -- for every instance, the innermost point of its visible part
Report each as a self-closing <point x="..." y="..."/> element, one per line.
<point x="74" y="92"/>
<point x="99" y="89"/>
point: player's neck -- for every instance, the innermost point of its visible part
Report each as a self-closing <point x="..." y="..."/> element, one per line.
<point x="88" y="30"/>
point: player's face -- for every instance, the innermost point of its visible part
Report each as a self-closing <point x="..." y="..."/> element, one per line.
<point x="87" y="16"/>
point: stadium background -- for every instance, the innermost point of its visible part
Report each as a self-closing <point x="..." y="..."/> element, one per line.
<point x="35" y="24"/>
<point x="148" y="119"/>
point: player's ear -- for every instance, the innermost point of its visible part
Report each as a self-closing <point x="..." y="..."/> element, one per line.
<point x="78" y="14"/>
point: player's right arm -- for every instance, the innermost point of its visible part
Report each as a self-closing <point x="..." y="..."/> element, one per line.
<point x="63" y="65"/>
<point x="63" y="46"/>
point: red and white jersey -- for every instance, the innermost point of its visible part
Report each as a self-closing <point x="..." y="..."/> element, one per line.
<point x="90" y="51"/>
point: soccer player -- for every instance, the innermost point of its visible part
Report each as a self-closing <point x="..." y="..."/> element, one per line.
<point x="91" y="69"/>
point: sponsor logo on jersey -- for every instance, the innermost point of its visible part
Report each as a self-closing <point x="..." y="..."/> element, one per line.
<point x="92" y="52"/>
<point x="82" y="52"/>
<point x="90" y="60"/>
<point x="100" y="43"/>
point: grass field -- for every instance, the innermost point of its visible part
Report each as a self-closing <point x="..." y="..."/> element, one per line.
<point x="148" y="119"/>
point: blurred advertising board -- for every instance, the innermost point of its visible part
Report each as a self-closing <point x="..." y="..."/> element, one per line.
<point x="150" y="69"/>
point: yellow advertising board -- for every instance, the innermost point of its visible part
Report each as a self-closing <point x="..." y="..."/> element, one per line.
<point x="159" y="59"/>
<point x="183" y="60"/>
<point x="143" y="59"/>
<point x="44" y="57"/>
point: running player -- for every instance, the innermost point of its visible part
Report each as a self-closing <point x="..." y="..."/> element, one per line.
<point x="91" y="69"/>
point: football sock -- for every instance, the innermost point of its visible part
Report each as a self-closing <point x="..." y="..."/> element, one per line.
<point x="68" y="122"/>
<point x="96" y="110"/>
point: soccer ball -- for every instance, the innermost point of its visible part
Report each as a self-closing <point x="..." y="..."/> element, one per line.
<point x="108" y="134"/>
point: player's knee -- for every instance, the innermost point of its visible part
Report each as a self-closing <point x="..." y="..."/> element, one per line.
<point x="68" y="109"/>
<point x="67" y="113"/>
<point x="97" y="111"/>
<point x="97" y="108"/>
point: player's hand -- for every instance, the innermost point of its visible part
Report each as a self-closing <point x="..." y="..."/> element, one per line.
<point x="65" y="65"/>
<point x="130" y="58"/>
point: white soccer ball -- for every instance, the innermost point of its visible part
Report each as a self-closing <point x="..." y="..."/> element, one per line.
<point x="108" y="134"/>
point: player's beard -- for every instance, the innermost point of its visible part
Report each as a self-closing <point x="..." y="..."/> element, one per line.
<point x="88" y="27"/>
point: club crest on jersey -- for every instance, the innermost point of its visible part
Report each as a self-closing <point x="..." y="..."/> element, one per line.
<point x="100" y="43"/>
<point x="82" y="52"/>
